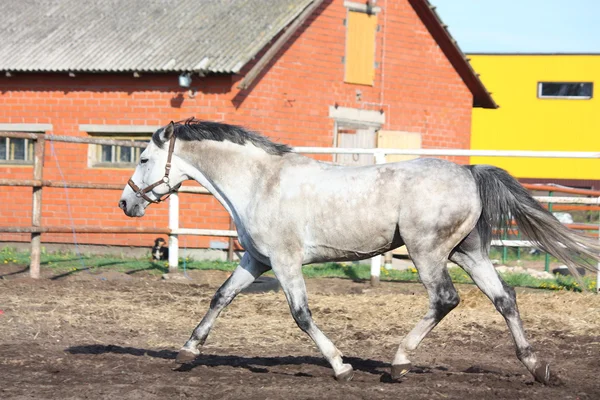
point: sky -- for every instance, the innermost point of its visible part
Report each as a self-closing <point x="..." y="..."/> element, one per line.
<point x="534" y="26"/>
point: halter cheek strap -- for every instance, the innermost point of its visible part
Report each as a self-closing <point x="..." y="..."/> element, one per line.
<point x="165" y="179"/>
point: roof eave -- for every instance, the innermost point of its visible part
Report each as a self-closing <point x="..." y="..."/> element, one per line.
<point x="114" y="71"/>
<point x="426" y="12"/>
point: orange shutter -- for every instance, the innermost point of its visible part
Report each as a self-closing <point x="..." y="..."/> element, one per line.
<point x="360" y="48"/>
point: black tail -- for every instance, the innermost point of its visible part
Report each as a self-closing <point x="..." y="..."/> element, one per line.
<point x="503" y="199"/>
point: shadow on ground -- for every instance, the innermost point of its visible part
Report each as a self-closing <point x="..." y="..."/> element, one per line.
<point x="210" y="360"/>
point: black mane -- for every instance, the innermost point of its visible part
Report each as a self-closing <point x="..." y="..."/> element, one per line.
<point x="193" y="129"/>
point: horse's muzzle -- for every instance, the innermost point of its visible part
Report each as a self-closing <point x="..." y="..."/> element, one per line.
<point x="132" y="209"/>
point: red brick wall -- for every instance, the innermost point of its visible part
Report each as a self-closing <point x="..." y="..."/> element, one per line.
<point x="415" y="85"/>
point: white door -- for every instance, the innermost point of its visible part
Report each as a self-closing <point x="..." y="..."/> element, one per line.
<point x="353" y="136"/>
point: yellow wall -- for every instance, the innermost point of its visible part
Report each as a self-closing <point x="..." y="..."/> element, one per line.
<point x="524" y="122"/>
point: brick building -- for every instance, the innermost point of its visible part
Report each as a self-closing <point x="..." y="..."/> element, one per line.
<point x="304" y="72"/>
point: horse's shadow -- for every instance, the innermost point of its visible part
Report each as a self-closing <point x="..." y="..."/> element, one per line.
<point x="253" y="364"/>
<point x="21" y="271"/>
<point x="89" y="269"/>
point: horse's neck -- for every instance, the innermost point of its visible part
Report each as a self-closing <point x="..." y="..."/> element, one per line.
<point x="232" y="173"/>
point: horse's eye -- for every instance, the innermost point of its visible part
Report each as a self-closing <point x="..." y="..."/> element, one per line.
<point x="143" y="161"/>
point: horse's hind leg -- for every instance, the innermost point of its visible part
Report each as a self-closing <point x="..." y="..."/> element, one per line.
<point x="248" y="270"/>
<point x="292" y="282"/>
<point x="443" y="297"/>
<point x="476" y="262"/>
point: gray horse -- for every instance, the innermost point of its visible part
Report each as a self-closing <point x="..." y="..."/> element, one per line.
<point x="291" y="210"/>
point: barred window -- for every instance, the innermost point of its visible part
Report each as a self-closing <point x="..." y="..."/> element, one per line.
<point x="16" y="151"/>
<point x="116" y="156"/>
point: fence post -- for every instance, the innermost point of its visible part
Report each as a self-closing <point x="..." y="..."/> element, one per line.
<point x="504" y="248"/>
<point x="230" y="241"/>
<point x="598" y="266"/>
<point x="388" y="260"/>
<point x="376" y="261"/>
<point x="375" y="270"/>
<point x="173" y="237"/>
<point x="547" y="256"/>
<point x="36" y="212"/>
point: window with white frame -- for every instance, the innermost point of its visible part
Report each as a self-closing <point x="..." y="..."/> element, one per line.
<point x="565" y="90"/>
<point x="16" y="151"/>
<point x="116" y="155"/>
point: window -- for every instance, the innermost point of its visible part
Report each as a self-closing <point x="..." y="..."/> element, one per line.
<point x="116" y="156"/>
<point x="16" y="151"/>
<point x="565" y="90"/>
<point x="360" y="48"/>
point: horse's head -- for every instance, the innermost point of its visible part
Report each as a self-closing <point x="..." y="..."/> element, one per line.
<point x="155" y="177"/>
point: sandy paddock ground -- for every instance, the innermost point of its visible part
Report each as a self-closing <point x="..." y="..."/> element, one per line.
<point x="112" y="335"/>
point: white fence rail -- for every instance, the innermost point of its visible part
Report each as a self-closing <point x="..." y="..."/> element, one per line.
<point x="380" y="155"/>
<point x="450" y="152"/>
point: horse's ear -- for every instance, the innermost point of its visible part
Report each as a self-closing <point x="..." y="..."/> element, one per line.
<point x="168" y="132"/>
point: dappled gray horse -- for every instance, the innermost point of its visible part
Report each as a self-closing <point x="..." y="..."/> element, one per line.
<point x="291" y="210"/>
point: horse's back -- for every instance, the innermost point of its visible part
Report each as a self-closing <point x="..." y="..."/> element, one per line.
<point x="355" y="212"/>
<point x="390" y="182"/>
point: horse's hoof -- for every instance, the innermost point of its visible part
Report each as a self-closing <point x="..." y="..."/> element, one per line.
<point x="186" y="356"/>
<point x="399" y="370"/>
<point x="346" y="374"/>
<point x="542" y="373"/>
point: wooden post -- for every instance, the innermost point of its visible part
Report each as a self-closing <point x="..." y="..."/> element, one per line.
<point x="547" y="256"/>
<point x="375" y="270"/>
<point x="376" y="261"/>
<point x="36" y="214"/>
<point x="388" y="258"/>
<point x="230" y="246"/>
<point x="598" y="266"/>
<point x="173" y="237"/>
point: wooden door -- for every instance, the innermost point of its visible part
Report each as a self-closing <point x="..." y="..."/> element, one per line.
<point x="356" y="137"/>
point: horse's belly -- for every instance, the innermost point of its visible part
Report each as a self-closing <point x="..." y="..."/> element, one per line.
<point x="318" y="255"/>
<point x="340" y="247"/>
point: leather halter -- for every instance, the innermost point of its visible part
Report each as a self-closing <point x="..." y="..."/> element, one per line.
<point x="165" y="179"/>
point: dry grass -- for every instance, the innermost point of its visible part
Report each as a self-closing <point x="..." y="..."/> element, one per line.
<point x="153" y="314"/>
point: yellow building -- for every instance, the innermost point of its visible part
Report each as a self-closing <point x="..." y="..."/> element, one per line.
<point x="547" y="102"/>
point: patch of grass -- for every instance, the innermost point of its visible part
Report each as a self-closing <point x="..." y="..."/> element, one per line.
<point x="61" y="262"/>
<point x="512" y="255"/>
<point x="10" y="255"/>
<point x="569" y="283"/>
<point x="362" y="272"/>
<point x="207" y="265"/>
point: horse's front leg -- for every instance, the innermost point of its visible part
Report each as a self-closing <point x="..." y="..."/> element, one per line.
<point x="248" y="270"/>
<point x="292" y="282"/>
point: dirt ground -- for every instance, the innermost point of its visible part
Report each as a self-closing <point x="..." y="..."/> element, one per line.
<point x="115" y="336"/>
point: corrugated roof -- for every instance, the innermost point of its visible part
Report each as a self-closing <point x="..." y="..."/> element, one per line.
<point x="139" y="35"/>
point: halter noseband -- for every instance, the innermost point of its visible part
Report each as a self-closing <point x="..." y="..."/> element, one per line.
<point x="165" y="179"/>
